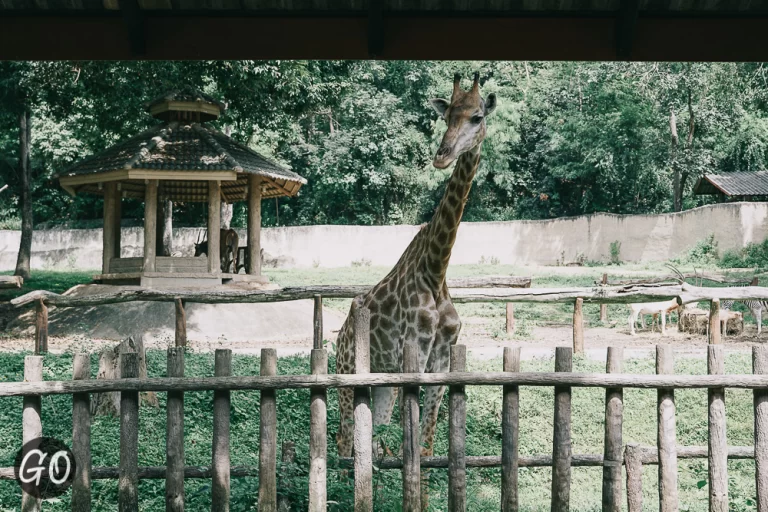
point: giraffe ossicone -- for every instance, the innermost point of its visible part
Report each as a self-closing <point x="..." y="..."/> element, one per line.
<point x="412" y="304"/>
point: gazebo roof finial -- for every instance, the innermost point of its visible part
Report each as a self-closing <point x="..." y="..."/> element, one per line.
<point x="185" y="103"/>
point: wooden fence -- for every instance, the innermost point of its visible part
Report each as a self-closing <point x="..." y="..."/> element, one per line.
<point x="614" y="456"/>
<point x="469" y="290"/>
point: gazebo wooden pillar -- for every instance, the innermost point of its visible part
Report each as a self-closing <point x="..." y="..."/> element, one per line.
<point x="214" y="226"/>
<point x="254" y="225"/>
<point x="109" y="232"/>
<point x="150" y="226"/>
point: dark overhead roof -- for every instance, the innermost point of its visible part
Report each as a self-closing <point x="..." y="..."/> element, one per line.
<point x="669" y="30"/>
<point x="733" y="184"/>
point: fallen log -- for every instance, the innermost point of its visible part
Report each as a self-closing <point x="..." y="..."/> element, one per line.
<point x="598" y="294"/>
<point x="11" y="282"/>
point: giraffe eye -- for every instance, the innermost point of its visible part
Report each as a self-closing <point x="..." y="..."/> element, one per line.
<point x="477" y="119"/>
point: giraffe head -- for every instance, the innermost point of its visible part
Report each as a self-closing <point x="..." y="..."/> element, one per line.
<point x="465" y="116"/>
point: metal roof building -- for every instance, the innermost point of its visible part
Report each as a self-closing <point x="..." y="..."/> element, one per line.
<point x="733" y="185"/>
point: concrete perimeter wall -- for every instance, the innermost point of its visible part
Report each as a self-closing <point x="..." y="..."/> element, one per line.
<point x="643" y="238"/>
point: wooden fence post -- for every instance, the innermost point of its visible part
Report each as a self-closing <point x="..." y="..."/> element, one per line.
<point x="181" y="324"/>
<point x="318" y="443"/>
<point x="220" y="457"/>
<point x="666" y="434"/>
<point x="578" y="326"/>
<point x="287" y="460"/>
<point x="714" y="322"/>
<point x="81" y="437"/>
<point x="128" y="481"/>
<point x="561" y="445"/>
<point x="633" y="462"/>
<point x="510" y="318"/>
<point x="318" y="323"/>
<point x="510" y="421"/>
<point x="760" y="367"/>
<point x="41" y="327"/>
<point x="362" y="412"/>
<point x="457" y="434"/>
<point x="718" y="444"/>
<point x="411" y="435"/>
<point x="604" y="307"/>
<point x="268" y="437"/>
<point x="174" y="437"/>
<point x="32" y="424"/>
<point x="612" y="447"/>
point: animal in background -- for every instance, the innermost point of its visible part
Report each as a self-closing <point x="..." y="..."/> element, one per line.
<point x="650" y="308"/>
<point x="228" y="245"/>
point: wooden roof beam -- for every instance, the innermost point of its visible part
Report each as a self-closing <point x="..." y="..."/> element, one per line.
<point x="133" y="20"/>
<point x="375" y="28"/>
<point x="626" y="25"/>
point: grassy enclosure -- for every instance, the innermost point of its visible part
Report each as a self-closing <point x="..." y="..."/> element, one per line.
<point x="483" y="438"/>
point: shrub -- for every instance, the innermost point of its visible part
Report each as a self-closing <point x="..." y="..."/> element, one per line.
<point x="705" y="252"/>
<point x="616" y="253"/>
<point x="753" y="255"/>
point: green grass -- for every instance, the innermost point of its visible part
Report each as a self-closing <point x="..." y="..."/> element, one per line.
<point x="483" y="438"/>
<point x="51" y="280"/>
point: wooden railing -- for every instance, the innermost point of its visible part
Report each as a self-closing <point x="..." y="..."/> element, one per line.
<point x="615" y="453"/>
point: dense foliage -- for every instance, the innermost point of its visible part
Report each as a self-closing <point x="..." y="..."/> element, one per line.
<point x="567" y="138"/>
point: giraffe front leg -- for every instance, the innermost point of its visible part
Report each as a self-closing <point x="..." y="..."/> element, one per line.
<point x="383" y="405"/>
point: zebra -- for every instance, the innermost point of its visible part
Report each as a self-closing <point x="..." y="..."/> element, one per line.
<point x="755" y="306"/>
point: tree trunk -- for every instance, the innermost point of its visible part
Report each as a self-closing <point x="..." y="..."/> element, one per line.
<point x="25" y="247"/>
<point x="677" y="194"/>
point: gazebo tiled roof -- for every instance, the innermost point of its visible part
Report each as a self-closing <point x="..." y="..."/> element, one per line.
<point x="184" y="154"/>
<point x="733" y="184"/>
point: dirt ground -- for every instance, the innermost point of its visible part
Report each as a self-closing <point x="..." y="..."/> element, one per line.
<point x="539" y="343"/>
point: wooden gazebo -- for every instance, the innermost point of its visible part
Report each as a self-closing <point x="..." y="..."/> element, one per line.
<point x="181" y="160"/>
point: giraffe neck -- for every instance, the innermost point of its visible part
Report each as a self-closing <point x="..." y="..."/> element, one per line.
<point x="443" y="227"/>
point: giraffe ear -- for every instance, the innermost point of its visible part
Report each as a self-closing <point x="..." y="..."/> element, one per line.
<point x="440" y="106"/>
<point x="490" y="104"/>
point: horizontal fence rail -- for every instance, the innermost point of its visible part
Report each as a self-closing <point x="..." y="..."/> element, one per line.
<point x="649" y="456"/>
<point x="545" y="379"/>
<point x="628" y="294"/>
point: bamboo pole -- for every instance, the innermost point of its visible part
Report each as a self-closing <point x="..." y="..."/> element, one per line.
<point x="561" y="444"/>
<point x="457" y="433"/>
<point x="510" y="425"/>
<point x="174" y="437"/>
<point x="411" y="443"/>
<point x="220" y="470"/>
<point x="714" y="322"/>
<point x="32" y="425"/>
<point x="318" y="443"/>
<point x="718" y="444"/>
<point x="668" y="501"/>
<point x="760" y="367"/>
<point x="612" y="446"/>
<point x="81" y="437"/>
<point x="181" y="324"/>
<point x="362" y="411"/>
<point x="128" y="483"/>
<point x="268" y="437"/>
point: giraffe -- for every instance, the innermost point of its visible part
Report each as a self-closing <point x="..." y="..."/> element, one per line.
<point x="412" y="304"/>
